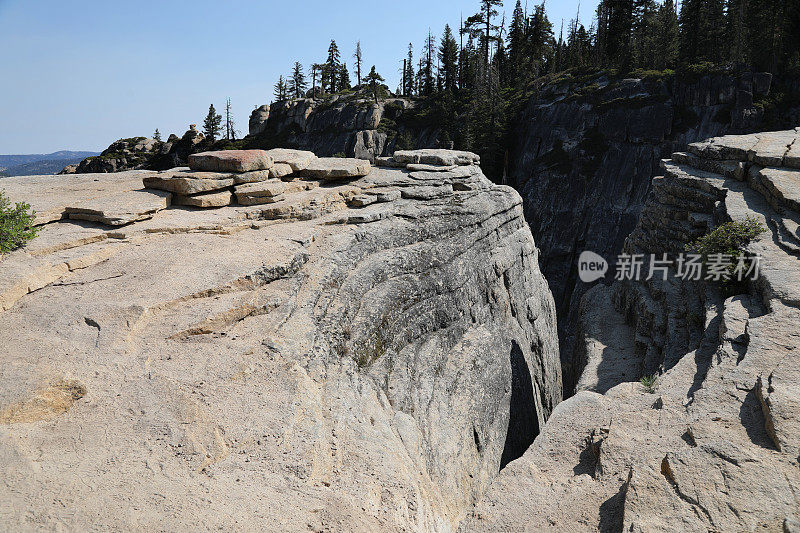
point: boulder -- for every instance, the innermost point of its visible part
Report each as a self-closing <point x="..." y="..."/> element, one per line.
<point x="120" y="208"/>
<point x="231" y="161"/>
<point x="334" y="168"/>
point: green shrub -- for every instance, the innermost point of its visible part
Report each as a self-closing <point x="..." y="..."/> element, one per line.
<point x="729" y="239"/>
<point x="16" y="224"/>
<point x="649" y="383"/>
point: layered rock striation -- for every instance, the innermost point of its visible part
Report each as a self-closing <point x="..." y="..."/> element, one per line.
<point x="362" y="354"/>
<point x="714" y="443"/>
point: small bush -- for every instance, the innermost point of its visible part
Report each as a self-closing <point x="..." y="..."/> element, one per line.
<point x="649" y="383"/>
<point x="729" y="239"/>
<point x="16" y="224"/>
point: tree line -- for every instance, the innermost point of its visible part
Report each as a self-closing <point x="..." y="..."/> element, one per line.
<point x="469" y="77"/>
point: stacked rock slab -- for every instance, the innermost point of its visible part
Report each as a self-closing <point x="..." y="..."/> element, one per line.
<point x="714" y="445"/>
<point x="364" y="365"/>
<point x="252" y="177"/>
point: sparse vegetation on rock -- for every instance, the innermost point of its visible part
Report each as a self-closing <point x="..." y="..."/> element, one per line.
<point x="16" y="224"/>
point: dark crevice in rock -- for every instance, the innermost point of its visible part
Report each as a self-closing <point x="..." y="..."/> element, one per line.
<point x="523" y="423"/>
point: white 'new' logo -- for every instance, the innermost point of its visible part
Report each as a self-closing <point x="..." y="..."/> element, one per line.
<point x="591" y="267"/>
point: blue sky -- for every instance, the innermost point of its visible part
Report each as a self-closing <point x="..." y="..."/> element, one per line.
<point x="78" y="75"/>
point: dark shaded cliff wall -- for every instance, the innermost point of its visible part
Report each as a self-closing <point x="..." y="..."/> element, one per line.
<point x="584" y="152"/>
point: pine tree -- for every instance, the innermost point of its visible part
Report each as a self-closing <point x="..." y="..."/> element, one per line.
<point x="448" y="56"/>
<point x="409" y="73"/>
<point x="665" y="36"/>
<point x="374" y="79"/>
<point x="702" y="24"/>
<point x="331" y="68"/>
<point x="428" y="82"/>
<point x="516" y="45"/>
<point x="212" y="124"/>
<point x="736" y="31"/>
<point x="297" y="83"/>
<point x="280" y="89"/>
<point x="358" y="58"/>
<point x="618" y="31"/>
<point x="157" y="135"/>
<point x="480" y="26"/>
<point x="539" y="42"/>
<point x="344" y="79"/>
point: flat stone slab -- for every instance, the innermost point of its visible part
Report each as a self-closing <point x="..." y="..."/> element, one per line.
<point x="121" y="208"/>
<point x="188" y="183"/>
<point x="432" y="156"/>
<point x="252" y="177"/>
<point x="297" y="159"/>
<point x="264" y="188"/>
<point x="212" y="199"/>
<point x="231" y="161"/>
<point x="331" y="168"/>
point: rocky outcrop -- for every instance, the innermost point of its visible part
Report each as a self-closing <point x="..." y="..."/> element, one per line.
<point x="358" y="356"/>
<point x="714" y="443"/>
<point x="348" y="125"/>
<point x="587" y="147"/>
<point x="139" y="153"/>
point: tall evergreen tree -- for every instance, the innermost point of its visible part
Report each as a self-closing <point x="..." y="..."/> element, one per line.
<point x="702" y="32"/>
<point x="331" y="68"/>
<point x="212" y="124"/>
<point x="375" y="80"/>
<point x="297" y="83"/>
<point x="429" y="52"/>
<point x="157" y="135"/>
<point x="448" y="57"/>
<point x="280" y="89"/>
<point x="665" y="36"/>
<point x="344" y="78"/>
<point x="516" y="45"/>
<point x="480" y="26"/>
<point x="409" y="73"/>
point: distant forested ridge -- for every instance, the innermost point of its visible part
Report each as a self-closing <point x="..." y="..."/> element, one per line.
<point x="33" y="164"/>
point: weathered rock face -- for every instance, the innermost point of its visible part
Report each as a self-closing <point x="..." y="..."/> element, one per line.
<point x="304" y="364"/>
<point x="353" y="126"/>
<point x="715" y="445"/>
<point x="586" y="152"/>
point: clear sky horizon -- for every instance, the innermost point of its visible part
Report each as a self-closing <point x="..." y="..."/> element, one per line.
<point x="79" y="75"/>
